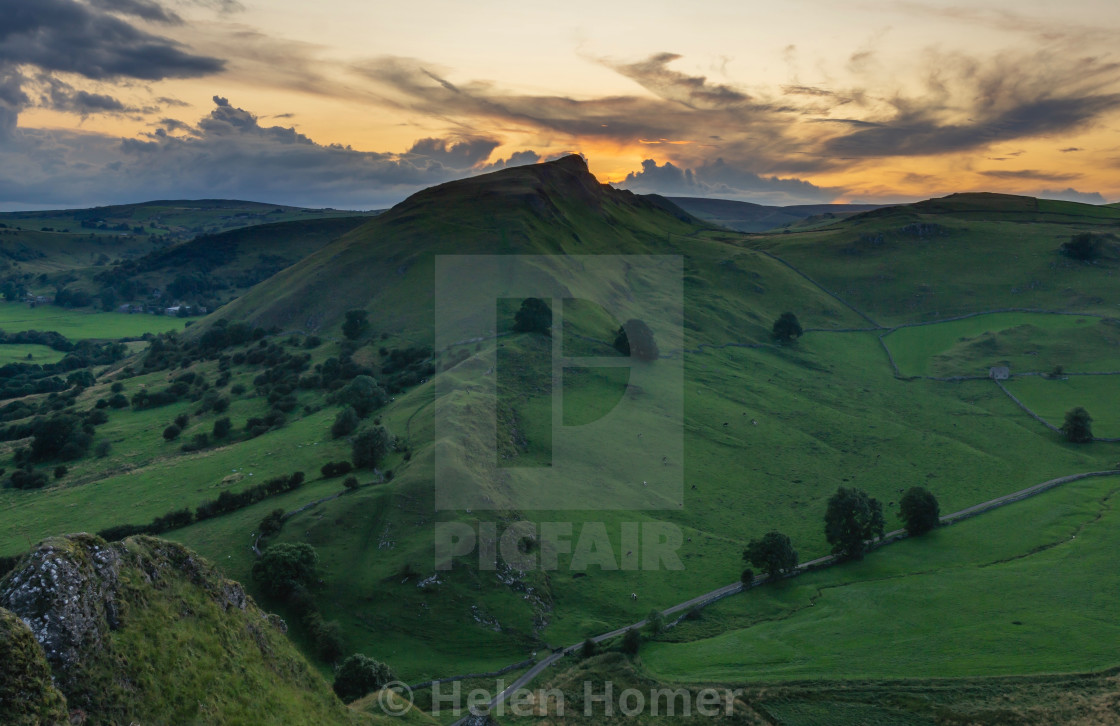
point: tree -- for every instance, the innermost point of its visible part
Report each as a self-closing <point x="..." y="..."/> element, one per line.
<point x="370" y="447"/>
<point x="773" y="554"/>
<point x="534" y="317"/>
<point x="655" y="621"/>
<point x="222" y="427"/>
<point x="1078" y="427"/>
<point x="359" y="675"/>
<point x="920" y="511"/>
<point x="345" y="422"/>
<point x="747" y="577"/>
<point x="631" y="642"/>
<point x="172" y="432"/>
<point x="357" y="322"/>
<point x="589" y="648"/>
<point x="61" y="436"/>
<point x="635" y="339"/>
<point x="364" y="394"/>
<point x="786" y="328"/>
<point x="852" y="518"/>
<point x="350" y="482"/>
<point x="1084" y="246"/>
<point x="271" y="524"/>
<point x="284" y="566"/>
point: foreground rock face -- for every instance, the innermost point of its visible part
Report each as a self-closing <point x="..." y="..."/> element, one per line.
<point x="145" y="630"/>
<point x="27" y="696"/>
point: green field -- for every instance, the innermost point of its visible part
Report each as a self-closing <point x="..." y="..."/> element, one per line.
<point x="1023" y="341"/>
<point x="28" y="353"/>
<point x="1018" y="590"/>
<point x="82" y="324"/>
<point x="1052" y="398"/>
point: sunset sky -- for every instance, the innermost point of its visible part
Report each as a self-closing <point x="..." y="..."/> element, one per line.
<point x="358" y="103"/>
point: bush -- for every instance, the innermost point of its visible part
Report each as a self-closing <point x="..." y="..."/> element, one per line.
<point x="370" y="447"/>
<point x="786" y="328"/>
<point x="118" y="400"/>
<point x="357" y="322"/>
<point x="102" y="449"/>
<point x="345" y="422"/>
<point x="1078" y="426"/>
<point x="271" y="524"/>
<point x="27" y="479"/>
<point x="283" y="566"/>
<point x="655" y="622"/>
<point x="222" y="428"/>
<point x="589" y="648"/>
<point x="631" y="642"/>
<point x="534" y="317"/>
<point x="920" y="511"/>
<point x="747" y="577"/>
<point x="172" y="432"/>
<point x="350" y="482"/>
<point x="183" y="420"/>
<point x="335" y="468"/>
<point x="117" y="387"/>
<point x="773" y="554"/>
<point x="359" y="675"/>
<point x="59" y="472"/>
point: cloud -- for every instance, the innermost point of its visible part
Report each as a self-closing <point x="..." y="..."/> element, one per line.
<point x="144" y="9"/>
<point x="461" y="154"/>
<point x="1072" y="195"/>
<point x="1031" y="174"/>
<point x="228" y="154"/>
<point x="723" y="180"/>
<point x="967" y="104"/>
<point x="66" y="36"/>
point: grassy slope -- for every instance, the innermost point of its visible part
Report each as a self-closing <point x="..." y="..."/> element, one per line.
<point x="828" y="411"/>
<point x="1018" y="590"/>
<point x="886" y="263"/>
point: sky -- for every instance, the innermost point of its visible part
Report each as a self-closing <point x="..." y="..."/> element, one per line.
<point x="358" y="103"/>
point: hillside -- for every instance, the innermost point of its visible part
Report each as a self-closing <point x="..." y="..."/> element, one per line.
<point x="145" y="630"/>
<point x="766" y="430"/>
<point x="749" y="217"/>
<point x="170" y="220"/>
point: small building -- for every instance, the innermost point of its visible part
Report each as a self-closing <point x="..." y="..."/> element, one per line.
<point x="999" y="373"/>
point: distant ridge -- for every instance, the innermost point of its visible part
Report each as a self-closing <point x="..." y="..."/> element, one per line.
<point x="749" y="217"/>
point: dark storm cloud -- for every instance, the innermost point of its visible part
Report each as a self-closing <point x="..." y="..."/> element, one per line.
<point x="1033" y="174"/>
<point x="227" y="154"/>
<point x="968" y="104"/>
<point x="462" y="154"/>
<point x="144" y="9"/>
<point x="66" y="36"/>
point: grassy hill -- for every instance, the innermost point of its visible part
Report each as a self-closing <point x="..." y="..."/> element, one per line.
<point x="749" y="217"/>
<point x="175" y="220"/>
<point x="769" y="430"/>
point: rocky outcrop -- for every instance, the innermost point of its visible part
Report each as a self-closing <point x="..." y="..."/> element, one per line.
<point x="27" y="695"/>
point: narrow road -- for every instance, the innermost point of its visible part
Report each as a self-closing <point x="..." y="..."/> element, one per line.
<point x="820" y="562"/>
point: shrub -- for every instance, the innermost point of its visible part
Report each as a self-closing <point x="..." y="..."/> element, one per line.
<point x="335" y="468"/>
<point x="222" y="428"/>
<point x="59" y="472"/>
<point x="350" y="482"/>
<point x="283" y="566"/>
<point x="370" y="447"/>
<point x="631" y="642"/>
<point x="172" y="432"/>
<point x="589" y="648"/>
<point x="359" y="675"/>
<point x="345" y="422"/>
<point x="920" y="511"/>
